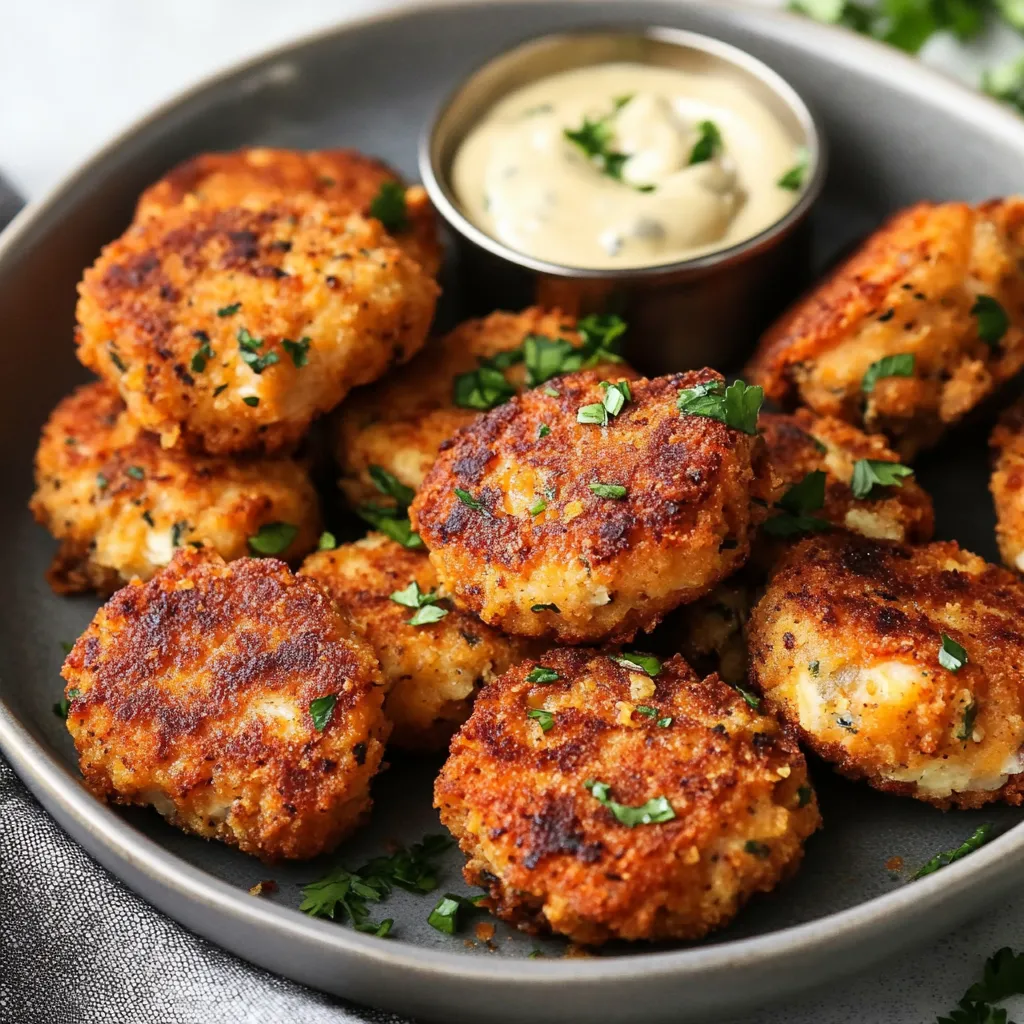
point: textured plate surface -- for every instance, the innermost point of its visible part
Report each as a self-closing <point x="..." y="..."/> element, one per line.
<point x="897" y="133"/>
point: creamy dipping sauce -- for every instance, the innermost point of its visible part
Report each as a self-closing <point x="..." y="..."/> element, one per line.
<point x="627" y="165"/>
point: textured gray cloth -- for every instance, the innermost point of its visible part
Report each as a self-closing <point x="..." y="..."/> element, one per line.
<point x="77" y="947"/>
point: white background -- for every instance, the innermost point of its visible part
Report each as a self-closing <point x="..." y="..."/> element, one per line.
<point x="73" y="73"/>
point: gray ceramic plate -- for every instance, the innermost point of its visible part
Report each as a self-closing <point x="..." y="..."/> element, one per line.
<point x="898" y="133"/>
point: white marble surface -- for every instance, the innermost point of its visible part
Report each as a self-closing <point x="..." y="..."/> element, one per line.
<point x="73" y="73"/>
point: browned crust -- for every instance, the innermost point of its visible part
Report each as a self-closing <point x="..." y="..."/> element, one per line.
<point x="553" y="858"/>
<point x="164" y="687"/>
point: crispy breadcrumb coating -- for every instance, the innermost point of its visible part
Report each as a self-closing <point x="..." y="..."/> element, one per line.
<point x="203" y="693"/>
<point x="120" y="505"/>
<point x="922" y="286"/>
<point x="899" y="665"/>
<point x="529" y="798"/>
<point x="432" y="670"/>
<point x="345" y="177"/>
<point x="583" y="532"/>
<point x="233" y="328"/>
<point x="1007" y="485"/>
<point x="401" y="423"/>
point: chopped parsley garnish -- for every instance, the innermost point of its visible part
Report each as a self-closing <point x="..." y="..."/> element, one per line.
<point x="229" y="310"/>
<point x="795" y="505"/>
<point x="543" y="430"/>
<point x="1002" y="978"/>
<point x="148" y="518"/>
<point x="102" y="482"/>
<point x="273" y="538"/>
<point x="61" y="708"/>
<point x="708" y="143"/>
<point x="614" y="401"/>
<point x="751" y="698"/>
<point x="753" y="847"/>
<point x="595" y="413"/>
<point x="345" y="894"/>
<point x="389" y="484"/>
<point x="871" y="473"/>
<point x="537" y="507"/>
<point x="219" y="389"/>
<point x="388" y="206"/>
<point x="136" y="472"/>
<point x="552" y="392"/>
<point x="992" y="319"/>
<point x="327" y="541"/>
<point x="803" y="796"/>
<point x="248" y="349"/>
<point x="298" y="350"/>
<point x="178" y="530"/>
<point x="545" y="719"/>
<point x="470" y="502"/>
<point x="392" y="522"/>
<point x="646" y="663"/>
<point x="899" y="365"/>
<point x="321" y="710"/>
<point x="115" y="358"/>
<point x="646" y="710"/>
<point x="967" y="725"/>
<point x="545" y="608"/>
<point x="614" y="492"/>
<point x="542" y="674"/>
<point x="736" y="406"/>
<point x="201" y="355"/>
<point x="445" y="915"/>
<point x="951" y="655"/>
<point x="600" y="333"/>
<point x="655" y="811"/>
<point x="427" y="609"/>
<point x="793" y="179"/>
<point x="251" y="400"/>
<point x="814" y="667"/>
<point x="981" y="835"/>
<point x="594" y="138"/>
<point x="486" y="386"/>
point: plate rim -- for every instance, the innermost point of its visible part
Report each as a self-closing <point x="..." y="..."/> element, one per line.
<point x="985" y="874"/>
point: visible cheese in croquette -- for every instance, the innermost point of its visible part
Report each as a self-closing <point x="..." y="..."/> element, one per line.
<point x="344" y="177"/>
<point x="914" y="330"/>
<point x="598" y="801"/>
<point x="236" y="700"/>
<point x="547" y="519"/>
<point x="400" y="424"/>
<point x="121" y="505"/>
<point x="900" y="665"/>
<point x="432" y="668"/>
<point x="232" y="328"/>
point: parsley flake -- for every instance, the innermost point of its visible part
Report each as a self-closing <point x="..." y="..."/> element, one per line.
<point x="229" y="310"/>
<point x="136" y="472"/>
<point x="61" y="708"/>
<point x="101" y="481"/>
<point x="542" y="674"/>
<point x="388" y="206"/>
<point x="327" y="542"/>
<point x="470" y="502"/>
<point x="993" y="321"/>
<point x="251" y="400"/>
<point x="952" y="656"/>
<point x="981" y="835"/>
<point x="201" y="355"/>
<point x="654" y="811"/>
<point x="545" y="719"/>
<point x="321" y="710"/>
<point x="273" y="538"/>
<point x="545" y="608"/>
<point x="966" y="730"/>
<point x="646" y="663"/>
<point x="736" y="406"/>
<point x="793" y="179"/>
<point x="248" y="349"/>
<point x="899" y="365"/>
<point x="392" y="522"/>
<point x="543" y="430"/>
<point x="709" y="142"/>
<point x="425" y="603"/>
<point x="537" y="507"/>
<point x="298" y="350"/>
<point x="486" y="387"/>
<point x="614" y="492"/>
<point x="871" y="473"/>
<point x="446" y="914"/>
<point x="389" y="484"/>
<point x="802" y="498"/>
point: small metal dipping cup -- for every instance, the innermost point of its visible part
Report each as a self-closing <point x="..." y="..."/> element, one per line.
<point x="704" y="311"/>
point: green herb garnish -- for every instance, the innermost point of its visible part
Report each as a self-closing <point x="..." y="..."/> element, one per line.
<point x="756" y="849"/>
<point x="981" y="835"/>
<point x="388" y="206"/>
<point x="425" y="603"/>
<point x="545" y="608"/>
<point x="229" y="310"/>
<point x="61" y="708"/>
<point x="201" y="355"/>
<point x="899" y="365"/>
<point x="251" y="400"/>
<point x="273" y="538"/>
<point x="136" y="472"/>
<point x="654" y="811"/>
<point x="542" y="674"/>
<point x="992" y="319"/>
<point x="545" y="719"/>
<point x="389" y="484"/>
<point x="795" y="505"/>
<point x="327" y="542"/>
<point x="614" y="492"/>
<point x="952" y="656"/>
<point x="321" y="710"/>
<point x="470" y="502"/>
<point x="736" y="406"/>
<point x="708" y="143"/>
<point x="248" y="349"/>
<point x="967" y="725"/>
<point x="537" y="507"/>
<point x="871" y="473"/>
<point x="646" y="663"/>
<point x="298" y="350"/>
<point x="793" y="179"/>
<point x="392" y="522"/>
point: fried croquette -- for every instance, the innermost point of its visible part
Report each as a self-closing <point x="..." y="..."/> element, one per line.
<point x="1007" y="485"/>
<point x="914" y="330"/>
<point x="345" y="177"/>
<point x="547" y="526"/>
<point x="712" y="630"/>
<point x="120" y="505"/>
<point x="595" y="801"/>
<point x="432" y="669"/>
<point x="899" y="665"/>
<point x="399" y="425"/>
<point x="235" y="699"/>
<point x="233" y="328"/>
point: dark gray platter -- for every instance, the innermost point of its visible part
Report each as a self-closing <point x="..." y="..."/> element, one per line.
<point x="897" y="133"/>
